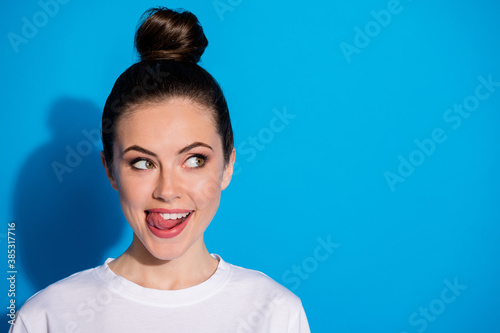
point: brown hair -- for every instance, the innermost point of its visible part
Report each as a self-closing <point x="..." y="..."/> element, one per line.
<point x="170" y="44"/>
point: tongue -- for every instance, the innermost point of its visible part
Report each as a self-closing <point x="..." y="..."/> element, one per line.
<point x="160" y="223"/>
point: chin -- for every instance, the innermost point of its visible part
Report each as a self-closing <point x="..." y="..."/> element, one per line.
<point x="165" y="252"/>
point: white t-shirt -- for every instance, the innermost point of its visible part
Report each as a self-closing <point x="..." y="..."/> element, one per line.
<point x="233" y="299"/>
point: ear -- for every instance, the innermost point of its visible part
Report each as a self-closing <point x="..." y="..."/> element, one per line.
<point x="228" y="171"/>
<point x="109" y="172"/>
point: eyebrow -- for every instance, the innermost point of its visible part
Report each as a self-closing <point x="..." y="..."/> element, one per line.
<point x="183" y="150"/>
<point x="194" y="145"/>
<point x="139" y="149"/>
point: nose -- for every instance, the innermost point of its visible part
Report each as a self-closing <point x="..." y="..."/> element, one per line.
<point x="168" y="186"/>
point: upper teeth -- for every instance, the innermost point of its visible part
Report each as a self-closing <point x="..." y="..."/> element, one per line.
<point x="174" y="216"/>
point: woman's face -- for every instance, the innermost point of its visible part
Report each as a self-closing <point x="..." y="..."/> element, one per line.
<point x="169" y="171"/>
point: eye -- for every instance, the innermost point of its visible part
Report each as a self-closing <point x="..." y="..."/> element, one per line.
<point x="195" y="161"/>
<point x="143" y="164"/>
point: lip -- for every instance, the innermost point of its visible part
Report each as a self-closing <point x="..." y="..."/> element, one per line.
<point x="170" y="233"/>
<point x="168" y="211"/>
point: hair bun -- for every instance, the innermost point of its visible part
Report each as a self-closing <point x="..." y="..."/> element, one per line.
<point x="166" y="34"/>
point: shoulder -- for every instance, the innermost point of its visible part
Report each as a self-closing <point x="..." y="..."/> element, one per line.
<point x="260" y="297"/>
<point x="63" y="292"/>
<point x="260" y="285"/>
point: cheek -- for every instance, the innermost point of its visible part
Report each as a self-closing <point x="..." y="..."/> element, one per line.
<point x="132" y="191"/>
<point x="206" y="191"/>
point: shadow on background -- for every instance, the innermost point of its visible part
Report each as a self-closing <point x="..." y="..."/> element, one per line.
<point x="67" y="215"/>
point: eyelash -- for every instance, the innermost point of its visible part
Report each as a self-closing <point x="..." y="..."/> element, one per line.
<point x="138" y="159"/>
<point x="202" y="156"/>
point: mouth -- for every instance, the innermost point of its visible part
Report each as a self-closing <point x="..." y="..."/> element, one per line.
<point x="165" y="224"/>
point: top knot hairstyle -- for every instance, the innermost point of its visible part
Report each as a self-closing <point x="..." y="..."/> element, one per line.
<point x="170" y="44"/>
<point x="166" y="34"/>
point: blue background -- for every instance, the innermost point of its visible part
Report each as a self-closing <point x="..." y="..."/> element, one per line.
<point x="357" y="103"/>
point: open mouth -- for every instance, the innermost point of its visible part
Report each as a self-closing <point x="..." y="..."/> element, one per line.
<point x="167" y="225"/>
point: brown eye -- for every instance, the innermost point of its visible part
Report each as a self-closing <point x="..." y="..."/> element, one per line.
<point x="143" y="165"/>
<point x="195" y="162"/>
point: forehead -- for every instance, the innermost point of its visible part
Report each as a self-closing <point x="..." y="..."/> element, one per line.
<point x="173" y="123"/>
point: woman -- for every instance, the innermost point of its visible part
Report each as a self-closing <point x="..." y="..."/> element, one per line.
<point x="168" y="151"/>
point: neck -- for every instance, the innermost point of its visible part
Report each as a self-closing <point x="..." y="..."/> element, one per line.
<point x="138" y="265"/>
